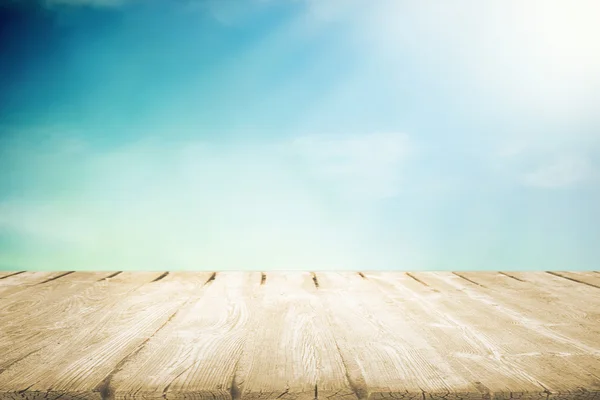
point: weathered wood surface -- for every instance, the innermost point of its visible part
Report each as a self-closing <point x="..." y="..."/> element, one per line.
<point x="299" y="335"/>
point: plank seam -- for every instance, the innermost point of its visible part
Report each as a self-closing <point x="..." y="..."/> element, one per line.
<point x="211" y="278"/>
<point x="468" y="280"/>
<point x="513" y="277"/>
<point x="572" y="279"/>
<point x="234" y="389"/>
<point x="9" y="275"/>
<point x="163" y="275"/>
<point x="56" y="277"/>
<point x="420" y="281"/>
<point x="110" y="276"/>
<point x="315" y="279"/>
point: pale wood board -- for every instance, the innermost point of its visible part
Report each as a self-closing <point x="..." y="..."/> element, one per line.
<point x="550" y="283"/>
<point x="19" y="281"/>
<point x="560" y="311"/>
<point x="462" y="339"/>
<point x="588" y="278"/>
<point x="196" y="354"/>
<point x="290" y="352"/>
<point x="29" y="322"/>
<point x="79" y="362"/>
<point x="299" y="335"/>
<point x="384" y="354"/>
<point x="514" y="335"/>
<point x="530" y="332"/>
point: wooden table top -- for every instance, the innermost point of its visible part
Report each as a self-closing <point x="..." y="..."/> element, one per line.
<point x="300" y="335"/>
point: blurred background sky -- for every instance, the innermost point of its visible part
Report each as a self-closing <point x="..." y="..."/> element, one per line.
<point x="299" y="134"/>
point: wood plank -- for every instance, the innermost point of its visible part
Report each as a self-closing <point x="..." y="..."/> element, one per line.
<point x="584" y="277"/>
<point x="299" y="336"/>
<point x="27" y="325"/>
<point x="471" y="353"/>
<point x="515" y="336"/>
<point x="78" y="363"/>
<point x="560" y="311"/>
<point x="385" y="356"/>
<point x="196" y="354"/>
<point x="561" y="287"/>
<point x="531" y="330"/>
<point x="7" y="274"/>
<point x="291" y="351"/>
<point x="46" y="292"/>
<point x="556" y="308"/>
<point x="566" y="380"/>
<point x="16" y="282"/>
<point x="42" y="284"/>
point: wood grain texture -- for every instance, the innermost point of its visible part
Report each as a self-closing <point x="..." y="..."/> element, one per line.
<point x="16" y="281"/>
<point x="196" y="354"/>
<point x="461" y="337"/>
<point x="80" y="361"/>
<point x="529" y="332"/>
<point x="290" y="352"/>
<point x="569" y="299"/>
<point x="300" y="335"/>
<point x="385" y="357"/>
<point x="515" y="336"/>
<point x="561" y="312"/>
<point x="29" y="322"/>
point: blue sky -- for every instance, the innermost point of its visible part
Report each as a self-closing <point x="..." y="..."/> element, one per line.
<point x="299" y="134"/>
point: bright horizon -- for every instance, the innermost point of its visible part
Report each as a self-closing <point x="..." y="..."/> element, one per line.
<point x="299" y="134"/>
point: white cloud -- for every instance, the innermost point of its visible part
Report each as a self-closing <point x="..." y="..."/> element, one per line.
<point x="545" y="159"/>
<point x="193" y="204"/>
<point x="368" y="164"/>
<point x="507" y="148"/>
<point x="562" y="172"/>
